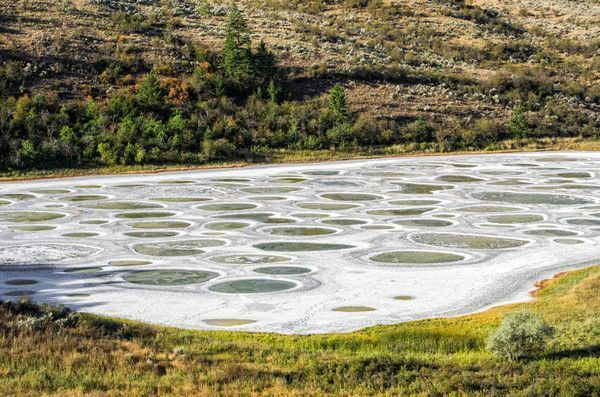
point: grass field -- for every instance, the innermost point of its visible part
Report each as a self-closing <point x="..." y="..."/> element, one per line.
<point x="102" y="356"/>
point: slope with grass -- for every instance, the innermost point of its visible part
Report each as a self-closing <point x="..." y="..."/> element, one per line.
<point x="430" y="357"/>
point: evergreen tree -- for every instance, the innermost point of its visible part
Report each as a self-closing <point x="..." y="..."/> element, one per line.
<point x="150" y="96"/>
<point x="337" y="104"/>
<point x="518" y="123"/>
<point x="265" y="64"/>
<point x="273" y="91"/>
<point x="236" y="59"/>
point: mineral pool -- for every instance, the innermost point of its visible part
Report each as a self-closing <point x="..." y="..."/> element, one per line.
<point x="310" y="248"/>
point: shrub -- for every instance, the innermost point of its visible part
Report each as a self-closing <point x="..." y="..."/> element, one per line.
<point x="521" y="335"/>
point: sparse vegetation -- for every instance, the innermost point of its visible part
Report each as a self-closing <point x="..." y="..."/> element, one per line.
<point x="46" y="350"/>
<point x="197" y="82"/>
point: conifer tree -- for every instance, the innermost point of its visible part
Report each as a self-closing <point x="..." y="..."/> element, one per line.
<point x="337" y="104"/>
<point x="264" y="64"/>
<point x="150" y="96"/>
<point x="236" y="59"/>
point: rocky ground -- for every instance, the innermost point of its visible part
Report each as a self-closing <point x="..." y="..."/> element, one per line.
<point x="397" y="58"/>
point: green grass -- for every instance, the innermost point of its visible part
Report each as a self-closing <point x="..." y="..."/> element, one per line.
<point x="428" y="357"/>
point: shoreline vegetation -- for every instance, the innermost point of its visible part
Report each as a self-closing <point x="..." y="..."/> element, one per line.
<point x="300" y="157"/>
<point x="240" y="104"/>
<point x="55" y="352"/>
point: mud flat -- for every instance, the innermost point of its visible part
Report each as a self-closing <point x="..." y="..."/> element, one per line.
<point x="328" y="247"/>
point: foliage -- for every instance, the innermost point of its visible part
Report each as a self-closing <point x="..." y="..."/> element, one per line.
<point x="444" y="356"/>
<point x="521" y="335"/>
<point x="518" y="123"/>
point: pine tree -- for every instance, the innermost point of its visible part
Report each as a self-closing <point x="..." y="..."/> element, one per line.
<point x="337" y="104"/>
<point x="518" y="123"/>
<point x="236" y="59"/>
<point x="150" y="96"/>
<point x="265" y="64"/>
<point x="273" y="91"/>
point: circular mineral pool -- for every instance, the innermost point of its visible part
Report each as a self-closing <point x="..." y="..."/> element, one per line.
<point x="289" y="180"/>
<point x="243" y="259"/>
<point x="34" y="228"/>
<point x="80" y="235"/>
<point x="310" y="215"/>
<point x="160" y="225"/>
<point x="18" y="196"/>
<point x="283" y="270"/>
<point x="404" y="297"/>
<point x="569" y="241"/>
<point x="181" y="199"/>
<point x="227" y="207"/>
<point x="488" y="209"/>
<point x="226" y="225"/>
<point x="326" y="206"/>
<point x="421" y="188"/>
<point x="414" y="202"/>
<point x="158" y="234"/>
<point x="94" y="222"/>
<point x="21" y="281"/>
<point x="573" y="175"/>
<point x="123" y="205"/>
<point x="84" y="197"/>
<point x="531" y="198"/>
<point x="417" y="257"/>
<point x="516" y="218"/>
<point x="300" y="231"/>
<point x="550" y="232"/>
<point x="169" y="277"/>
<point x="251" y="286"/>
<point x="52" y="191"/>
<point x="83" y="270"/>
<point x="583" y="222"/>
<point x="353" y="309"/>
<point x="351" y="196"/>
<point x="472" y="241"/>
<point x="344" y="222"/>
<point x="424" y="222"/>
<point x="458" y="178"/>
<point x="268" y="198"/>
<point x="271" y="189"/>
<point x="227" y="322"/>
<point x="129" y="262"/>
<point x="295" y="246"/>
<point x="30" y="216"/>
<point x="401" y="211"/>
<point x="177" y="248"/>
<point x="143" y="215"/>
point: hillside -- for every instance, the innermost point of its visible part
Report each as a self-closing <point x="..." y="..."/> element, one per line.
<point x="427" y="75"/>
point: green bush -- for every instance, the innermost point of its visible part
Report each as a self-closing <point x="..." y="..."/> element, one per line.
<point x="521" y="335"/>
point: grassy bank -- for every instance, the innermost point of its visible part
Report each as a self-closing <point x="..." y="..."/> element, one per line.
<point x="298" y="156"/>
<point x="429" y="357"/>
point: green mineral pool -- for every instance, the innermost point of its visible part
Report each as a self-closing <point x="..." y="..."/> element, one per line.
<point x="295" y="246"/>
<point x="169" y="277"/>
<point x="472" y="241"/>
<point x="417" y="257"/>
<point x="252" y="286"/>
